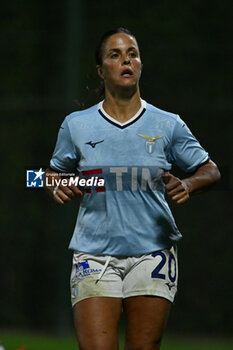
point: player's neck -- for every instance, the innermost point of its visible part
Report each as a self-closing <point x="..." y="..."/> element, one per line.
<point x="122" y="108"/>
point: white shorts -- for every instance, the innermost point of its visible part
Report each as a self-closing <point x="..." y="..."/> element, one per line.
<point x="153" y="274"/>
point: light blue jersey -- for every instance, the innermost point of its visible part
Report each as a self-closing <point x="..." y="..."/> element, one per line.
<point x="130" y="216"/>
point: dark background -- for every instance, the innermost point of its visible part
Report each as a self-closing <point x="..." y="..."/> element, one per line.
<point x="47" y="60"/>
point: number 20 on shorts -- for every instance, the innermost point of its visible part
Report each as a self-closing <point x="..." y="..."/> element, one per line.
<point x="172" y="268"/>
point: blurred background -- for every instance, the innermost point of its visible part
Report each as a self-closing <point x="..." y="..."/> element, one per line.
<point x="47" y="63"/>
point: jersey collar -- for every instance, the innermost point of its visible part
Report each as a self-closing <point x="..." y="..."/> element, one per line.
<point x="115" y="122"/>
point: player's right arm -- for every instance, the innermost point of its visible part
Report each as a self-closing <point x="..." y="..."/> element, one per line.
<point x="64" y="160"/>
<point x="61" y="194"/>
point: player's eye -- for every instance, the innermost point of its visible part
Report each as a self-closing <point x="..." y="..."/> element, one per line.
<point x="132" y="54"/>
<point x="114" y="55"/>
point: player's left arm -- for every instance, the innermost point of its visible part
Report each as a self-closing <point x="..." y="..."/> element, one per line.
<point x="204" y="177"/>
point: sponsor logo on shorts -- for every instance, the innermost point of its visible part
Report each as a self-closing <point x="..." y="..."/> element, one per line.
<point x="82" y="269"/>
<point x="74" y="293"/>
<point x="170" y="285"/>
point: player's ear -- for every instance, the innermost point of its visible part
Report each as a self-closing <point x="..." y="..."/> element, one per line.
<point x="100" y="71"/>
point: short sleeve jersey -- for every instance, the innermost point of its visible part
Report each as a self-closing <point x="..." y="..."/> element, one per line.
<point x="131" y="216"/>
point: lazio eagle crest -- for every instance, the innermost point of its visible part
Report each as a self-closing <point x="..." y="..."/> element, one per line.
<point x="150" y="144"/>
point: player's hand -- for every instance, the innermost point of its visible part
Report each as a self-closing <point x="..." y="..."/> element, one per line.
<point x="61" y="194"/>
<point x="177" y="189"/>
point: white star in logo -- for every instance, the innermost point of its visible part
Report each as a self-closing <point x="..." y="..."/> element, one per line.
<point x="39" y="174"/>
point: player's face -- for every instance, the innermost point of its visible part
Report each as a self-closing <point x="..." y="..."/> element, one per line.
<point x="121" y="63"/>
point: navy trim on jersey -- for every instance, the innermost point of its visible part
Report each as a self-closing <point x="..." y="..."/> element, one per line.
<point x="118" y="125"/>
<point x="199" y="166"/>
<point x="205" y="162"/>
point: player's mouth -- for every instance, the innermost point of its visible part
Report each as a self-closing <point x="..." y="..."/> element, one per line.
<point x="127" y="73"/>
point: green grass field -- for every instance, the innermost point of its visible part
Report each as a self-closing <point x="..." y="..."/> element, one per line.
<point x="13" y="341"/>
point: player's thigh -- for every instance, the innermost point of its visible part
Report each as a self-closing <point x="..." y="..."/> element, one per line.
<point x="96" y="323"/>
<point x="146" y="318"/>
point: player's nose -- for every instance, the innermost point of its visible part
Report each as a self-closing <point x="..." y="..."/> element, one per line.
<point x="125" y="59"/>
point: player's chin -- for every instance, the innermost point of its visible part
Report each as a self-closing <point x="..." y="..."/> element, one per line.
<point x="128" y="85"/>
<point x="131" y="80"/>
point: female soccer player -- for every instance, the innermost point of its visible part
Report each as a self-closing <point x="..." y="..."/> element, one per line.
<point x="125" y="237"/>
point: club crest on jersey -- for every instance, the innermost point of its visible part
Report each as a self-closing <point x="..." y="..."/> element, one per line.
<point x="150" y="143"/>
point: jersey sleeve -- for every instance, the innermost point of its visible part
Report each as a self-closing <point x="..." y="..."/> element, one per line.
<point x="65" y="157"/>
<point x="185" y="151"/>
